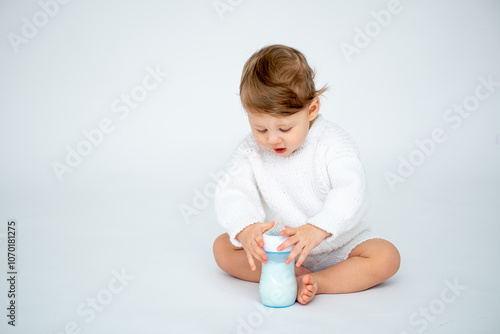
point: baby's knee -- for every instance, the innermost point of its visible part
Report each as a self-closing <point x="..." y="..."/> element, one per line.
<point x="389" y="258"/>
<point x="220" y="248"/>
<point x="221" y="241"/>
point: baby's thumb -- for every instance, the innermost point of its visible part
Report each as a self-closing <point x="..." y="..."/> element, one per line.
<point x="268" y="226"/>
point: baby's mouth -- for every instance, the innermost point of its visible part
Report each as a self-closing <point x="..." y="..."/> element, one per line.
<point x="280" y="150"/>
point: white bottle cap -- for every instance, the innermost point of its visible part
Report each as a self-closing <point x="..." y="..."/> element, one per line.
<point x="271" y="243"/>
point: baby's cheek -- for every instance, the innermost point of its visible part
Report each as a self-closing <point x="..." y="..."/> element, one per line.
<point x="258" y="139"/>
<point x="261" y="142"/>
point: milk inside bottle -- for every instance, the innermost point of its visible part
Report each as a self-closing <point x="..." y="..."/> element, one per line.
<point x="278" y="286"/>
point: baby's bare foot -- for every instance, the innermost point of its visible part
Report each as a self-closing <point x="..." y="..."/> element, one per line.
<point x="299" y="271"/>
<point x="306" y="288"/>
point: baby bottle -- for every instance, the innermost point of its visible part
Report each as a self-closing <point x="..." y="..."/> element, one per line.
<point x="278" y="286"/>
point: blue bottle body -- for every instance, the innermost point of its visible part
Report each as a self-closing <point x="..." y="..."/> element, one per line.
<point x="278" y="285"/>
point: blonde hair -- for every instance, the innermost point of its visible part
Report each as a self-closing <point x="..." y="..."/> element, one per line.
<point x="277" y="80"/>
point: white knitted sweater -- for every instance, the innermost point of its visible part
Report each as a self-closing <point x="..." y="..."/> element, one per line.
<point x="321" y="183"/>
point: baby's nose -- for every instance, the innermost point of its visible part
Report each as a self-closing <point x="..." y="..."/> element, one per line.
<point x="274" y="139"/>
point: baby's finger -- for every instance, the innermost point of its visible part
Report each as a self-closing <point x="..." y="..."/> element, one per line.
<point x="259" y="254"/>
<point x="268" y="226"/>
<point x="288" y="231"/>
<point x="287" y="243"/>
<point x="251" y="261"/>
<point x="295" y="251"/>
<point x="259" y="240"/>
<point x="302" y="257"/>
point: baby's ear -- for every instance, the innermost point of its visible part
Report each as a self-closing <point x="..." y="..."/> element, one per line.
<point x="313" y="108"/>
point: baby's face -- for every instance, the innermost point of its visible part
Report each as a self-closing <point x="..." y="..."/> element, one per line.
<point x="283" y="134"/>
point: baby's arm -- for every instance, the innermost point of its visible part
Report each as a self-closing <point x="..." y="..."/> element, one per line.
<point x="347" y="202"/>
<point x="238" y="204"/>
<point x="345" y="205"/>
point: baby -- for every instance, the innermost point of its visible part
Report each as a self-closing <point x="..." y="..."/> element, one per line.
<point x="300" y="167"/>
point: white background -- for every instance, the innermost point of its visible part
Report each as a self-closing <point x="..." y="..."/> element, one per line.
<point x="120" y="208"/>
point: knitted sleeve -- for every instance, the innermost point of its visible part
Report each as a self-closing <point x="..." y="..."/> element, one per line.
<point x="347" y="200"/>
<point x="237" y="199"/>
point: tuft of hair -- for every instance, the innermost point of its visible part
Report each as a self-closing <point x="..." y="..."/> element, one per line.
<point x="277" y="80"/>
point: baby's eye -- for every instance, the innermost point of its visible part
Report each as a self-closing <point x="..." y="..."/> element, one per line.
<point x="262" y="131"/>
<point x="285" y="130"/>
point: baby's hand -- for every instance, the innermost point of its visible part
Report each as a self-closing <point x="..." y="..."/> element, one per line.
<point x="305" y="238"/>
<point x="252" y="241"/>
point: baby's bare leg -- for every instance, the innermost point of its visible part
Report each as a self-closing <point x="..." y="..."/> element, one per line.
<point x="233" y="260"/>
<point x="368" y="264"/>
